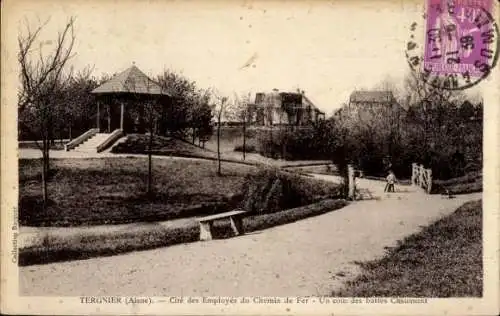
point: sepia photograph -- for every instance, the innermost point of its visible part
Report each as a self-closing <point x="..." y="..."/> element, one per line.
<point x="250" y="157"/>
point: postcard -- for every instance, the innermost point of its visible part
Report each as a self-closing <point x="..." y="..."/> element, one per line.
<point x="250" y="157"/>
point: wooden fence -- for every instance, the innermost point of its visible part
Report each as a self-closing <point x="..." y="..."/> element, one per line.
<point x="421" y="177"/>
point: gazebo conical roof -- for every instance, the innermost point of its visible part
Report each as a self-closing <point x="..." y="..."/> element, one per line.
<point x="132" y="80"/>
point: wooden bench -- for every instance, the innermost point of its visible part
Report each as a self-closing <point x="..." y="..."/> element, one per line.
<point x="206" y="223"/>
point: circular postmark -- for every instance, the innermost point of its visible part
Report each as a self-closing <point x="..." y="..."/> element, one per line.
<point x="460" y="43"/>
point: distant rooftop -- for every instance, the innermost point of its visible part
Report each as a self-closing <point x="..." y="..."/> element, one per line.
<point x="372" y="96"/>
<point x="132" y="80"/>
<point x="260" y="97"/>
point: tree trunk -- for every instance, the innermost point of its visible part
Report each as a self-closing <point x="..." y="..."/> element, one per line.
<point x="218" y="146"/>
<point x="45" y="170"/>
<point x="139" y="124"/>
<point x="61" y="134"/>
<point x="150" y="164"/>
<point x="51" y="140"/>
<point x="109" y="118"/>
<point x="283" y="141"/>
<point x="244" y="139"/>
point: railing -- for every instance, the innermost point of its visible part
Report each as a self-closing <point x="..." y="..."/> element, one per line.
<point x="80" y="139"/>
<point x="421" y="177"/>
<point x="113" y="137"/>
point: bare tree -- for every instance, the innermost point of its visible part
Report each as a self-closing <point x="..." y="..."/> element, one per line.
<point x="220" y="108"/>
<point x="430" y="101"/>
<point x="200" y="117"/>
<point x="150" y="113"/>
<point x="241" y="113"/>
<point x="42" y="76"/>
<point x="76" y="111"/>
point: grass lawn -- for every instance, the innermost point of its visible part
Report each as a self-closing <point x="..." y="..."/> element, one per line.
<point x="444" y="260"/>
<point x="57" y="145"/>
<point x="113" y="190"/>
<point x="231" y="137"/>
<point x="139" y="144"/>
<point x="469" y="183"/>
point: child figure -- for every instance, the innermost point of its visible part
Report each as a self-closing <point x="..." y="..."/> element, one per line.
<point x="391" y="179"/>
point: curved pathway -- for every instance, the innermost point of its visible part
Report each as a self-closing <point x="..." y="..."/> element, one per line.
<point x="309" y="257"/>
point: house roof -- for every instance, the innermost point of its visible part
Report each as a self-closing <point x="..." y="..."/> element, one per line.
<point x="132" y="80"/>
<point x="274" y="97"/>
<point x="372" y="96"/>
<point x="312" y="104"/>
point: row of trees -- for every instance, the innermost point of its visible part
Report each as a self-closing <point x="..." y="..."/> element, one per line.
<point x="41" y="97"/>
<point x="55" y="102"/>
<point x="70" y="109"/>
<point x="439" y="128"/>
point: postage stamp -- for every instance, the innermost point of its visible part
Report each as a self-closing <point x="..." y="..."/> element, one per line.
<point x="461" y="43"/>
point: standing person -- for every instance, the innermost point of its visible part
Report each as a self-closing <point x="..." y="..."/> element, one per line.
<point x="391" y="179"/>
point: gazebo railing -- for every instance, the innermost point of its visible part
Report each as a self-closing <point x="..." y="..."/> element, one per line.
<point x="80" y="139"/>
<point x="112" y="138"/>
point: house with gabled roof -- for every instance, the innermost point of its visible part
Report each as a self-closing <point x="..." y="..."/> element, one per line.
<point x="284" y="108"/>
<point x="372" y="100"/>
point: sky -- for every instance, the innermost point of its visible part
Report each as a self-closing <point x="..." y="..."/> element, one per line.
<point x="327" y="49"/>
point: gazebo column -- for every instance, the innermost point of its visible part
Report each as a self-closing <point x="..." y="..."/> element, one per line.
<point x="142" y="128"/>
<point x="98" y="116"/>
<point x="109" y="118"/>
<point x="122" y="113"/>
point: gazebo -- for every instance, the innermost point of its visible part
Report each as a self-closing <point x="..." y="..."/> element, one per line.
<point x="126" y="90"/>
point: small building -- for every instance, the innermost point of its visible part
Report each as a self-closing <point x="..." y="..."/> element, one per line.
<point x="283" y="108"/>
<point x="122" y="107"/>
<point x="372" y="100"/>
<point x="121" y="100"/>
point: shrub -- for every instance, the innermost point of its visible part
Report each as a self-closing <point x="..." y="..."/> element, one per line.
<point x="112" y="191"/>
<point x="470" y="183"/>
<point x="271" y="190"/>
<point x="380" y="139"/>
<point x="298" y="143"/>
<point x="248" y="148"/>
<point x="139" y="144"/>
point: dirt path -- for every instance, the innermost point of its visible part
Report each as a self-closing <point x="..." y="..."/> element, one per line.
<point x="232" y="156"/>
<point x="309" y="257"/>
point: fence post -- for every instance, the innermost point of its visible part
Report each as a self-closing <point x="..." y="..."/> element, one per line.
<point x="350" y="177"/>
<point x="414" y="174"/>
<point x="421" y="171"/>
<point x="429" y="180"/>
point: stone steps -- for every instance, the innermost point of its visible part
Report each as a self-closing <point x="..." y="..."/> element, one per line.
<point x="90" y="145"/>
